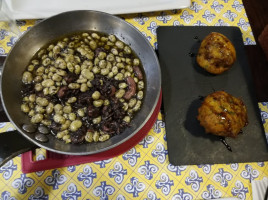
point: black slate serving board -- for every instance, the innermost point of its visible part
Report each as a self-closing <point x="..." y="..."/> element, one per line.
<point x="184" y="84"/>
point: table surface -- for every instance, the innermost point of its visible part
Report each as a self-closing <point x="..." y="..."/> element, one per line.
<point x="144" y="172"/>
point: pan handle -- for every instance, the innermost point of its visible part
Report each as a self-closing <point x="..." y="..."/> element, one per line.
<point x="12" y="144"/>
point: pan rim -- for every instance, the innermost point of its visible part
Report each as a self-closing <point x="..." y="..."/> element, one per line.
<point x="110" y="146"/>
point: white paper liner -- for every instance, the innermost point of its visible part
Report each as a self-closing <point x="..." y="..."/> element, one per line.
<point x="260" y="189"/>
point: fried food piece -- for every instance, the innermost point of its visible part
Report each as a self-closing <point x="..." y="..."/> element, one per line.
<point x="216" y="53"/>
<point x="222" y="114"/>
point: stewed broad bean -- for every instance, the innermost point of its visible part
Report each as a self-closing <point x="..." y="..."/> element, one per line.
<point x="85" y="87"/>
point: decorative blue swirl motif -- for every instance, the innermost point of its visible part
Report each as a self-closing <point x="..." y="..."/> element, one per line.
<point x="155" y="45"/>
<point x="39" y="173"/>
<point x="151" y="196"/>
<point x="186" y="17"/>
<point x="223" y="177"/>
<point x="11" y="129"/>
<point x="148" y="169"/>
<point x="135" y="187"/>
<point x="164" y="17"/>
<point x="261" y="164"/>
<point x="71" y="168"/>
<point x="182" y="195"/>
<point x="40" y="157"/>
<point x="199" y="23"/>
<point x="239" y="190"/>
<point x="264" y="104"/>
<point x="102" y="163"/>
<point x="243" y="24"/>
<point x="225" y="1"/>
<point x="3" y="124"/>
<point x="208" y="16"/>
<point x="176" y="23"/>
<point x="149" y="38"/>
<point x="12" y="41"/>
<point x="206" y="168"/>
<point x="120" y="197"/>
<point x="160" y="152"/>
<point x="237" y="6"/>
<point x="132" y="155"/>
<point x="71" y="193"/>
<point x="146" y="141"/>
<point x="211" y="193"/>
<point x="2" y="51"/>
<point x="56" y="179"/>
<point x="118" y="173"/>
<point x="103" y="191"/>
<point x="221" y="23"/>
<point x="8" y="169"/>
<point x="250" y="173"/>
<point x="177" y="169"/>
<point x="164" y="183"/>
<point x="87" y="176"/>
<point x="194" y="180"/>
<point x="6" y="196"/>
<point x="195" y="7"/>
<point x="165" y="137"/>
<point x="264" y="116"/>
<point x="249" y="42"/>
<point x="230" y="15"/>
<point x="153" y="26"/>
<point x="217" y="6"/>
<point x="22" y="183"/>
<point x="141" y="19"/>
<point x="234" y="166"/>
<point x="3" y="34"/>
<point x="159" y="123"/>
<point x="39" y="194"/>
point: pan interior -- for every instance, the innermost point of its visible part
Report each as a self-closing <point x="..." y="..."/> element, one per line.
<point x="66" y="23"/>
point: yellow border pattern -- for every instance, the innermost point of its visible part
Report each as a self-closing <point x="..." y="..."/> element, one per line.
<point x="143" y="172"/>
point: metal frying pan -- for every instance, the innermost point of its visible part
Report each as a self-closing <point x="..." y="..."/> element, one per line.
<point x="53" y="28"/>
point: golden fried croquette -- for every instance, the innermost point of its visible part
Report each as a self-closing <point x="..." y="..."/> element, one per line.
<point x="216" y="53"/>
<point x="222" y="114"/>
